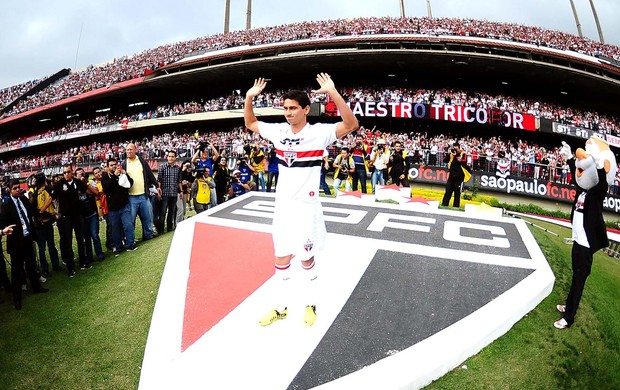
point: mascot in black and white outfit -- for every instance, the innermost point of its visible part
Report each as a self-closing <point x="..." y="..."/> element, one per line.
<point x="593" y="170"/>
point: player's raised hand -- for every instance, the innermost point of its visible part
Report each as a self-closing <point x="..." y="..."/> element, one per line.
<point x="257" y="88"/>
<point x="326" y="83"/>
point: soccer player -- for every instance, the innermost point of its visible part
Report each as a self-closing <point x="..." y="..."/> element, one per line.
<point x="299" y="147"/>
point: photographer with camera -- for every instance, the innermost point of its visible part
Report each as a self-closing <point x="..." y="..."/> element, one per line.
<point x="456" y="166"/>
<point x="345" y="167"/>
<point x="379" y="158"/>
<point x="360" y="159"/>
<point x="201" y="190"/>
<point x="201" y="160"/>
<point x="272" y="168"/>
<point x="237" y="188"/>
<point x="246" y="171"/>
<point x="44" y="225"/>
<point x="257" y="159"/>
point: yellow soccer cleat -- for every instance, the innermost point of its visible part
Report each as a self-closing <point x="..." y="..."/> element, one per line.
<point x="273" y="316"/>
<point x="310" y="315"/>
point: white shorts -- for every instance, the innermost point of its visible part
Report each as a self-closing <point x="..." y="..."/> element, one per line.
<point x="298" y="229"/>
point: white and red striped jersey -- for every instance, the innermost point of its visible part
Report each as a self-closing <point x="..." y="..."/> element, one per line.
<point x="300" y="157"/>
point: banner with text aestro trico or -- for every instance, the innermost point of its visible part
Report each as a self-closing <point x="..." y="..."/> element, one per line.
<point x="536" y="188"/>
<point x="515" y="120"/>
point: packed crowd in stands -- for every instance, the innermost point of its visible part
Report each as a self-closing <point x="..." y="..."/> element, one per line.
<point x="526" y="159"/>
<point x="9" y="94"/>
<point x="129" y="67"/>
<point x="580" y="118"/>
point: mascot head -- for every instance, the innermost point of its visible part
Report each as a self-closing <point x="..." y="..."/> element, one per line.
<point x="597" y="155"/>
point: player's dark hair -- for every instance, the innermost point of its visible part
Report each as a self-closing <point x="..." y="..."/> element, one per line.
<point x="299" y="96"/>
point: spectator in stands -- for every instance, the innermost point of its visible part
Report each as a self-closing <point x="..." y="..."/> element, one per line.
<point x="138" y="169"/>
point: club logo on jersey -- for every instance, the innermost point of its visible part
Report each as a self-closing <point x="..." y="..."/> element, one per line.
<point x="289" y="157"/>
<point x="308" y="246"/>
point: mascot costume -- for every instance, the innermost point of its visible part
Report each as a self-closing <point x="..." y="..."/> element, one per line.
<point x="593" y="170"/>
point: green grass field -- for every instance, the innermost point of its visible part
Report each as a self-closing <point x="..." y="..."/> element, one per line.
<point x="89" y="332"/>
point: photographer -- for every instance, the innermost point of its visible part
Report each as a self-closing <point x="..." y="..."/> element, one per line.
<point x="456" y="166"/>
<point x="257" y="159"/>
<point x="237" y="188"/>
<point x="246" y="173"/>
<point x="379" y="158"/>
<point x="272" y="168"/>
<point x="201" y="159"/>
<point x="399" y="166"/>
<point x="44" y="225"/>
<point x="344" y="169"/>
<point x="207" y="162"/>
<point x="201" y="190"/>
<point x="360" y="158"/>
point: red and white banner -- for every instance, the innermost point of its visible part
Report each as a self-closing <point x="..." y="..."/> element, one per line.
<point x="515" y="120"/>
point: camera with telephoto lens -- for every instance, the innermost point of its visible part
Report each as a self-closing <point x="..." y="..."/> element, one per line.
<point x="203" y="145"/>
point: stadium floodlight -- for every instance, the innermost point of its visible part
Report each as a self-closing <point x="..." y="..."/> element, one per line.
<point x="227" y="17"/>
<point x="572" y="4"/>
<point x="564" y="92"/>
<point x="103" y="110"/>
<point x="45" y="120"/>
<point x="504" y="82"/>
<point x="248" y="16"/>
<point x="598" y="24"/>
<point x="138" y="104"/>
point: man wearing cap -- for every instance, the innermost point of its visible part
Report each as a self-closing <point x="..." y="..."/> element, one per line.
<point x="237" y="188"/>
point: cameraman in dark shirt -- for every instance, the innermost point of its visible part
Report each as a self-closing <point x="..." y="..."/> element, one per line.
<point x="455" y="159"/>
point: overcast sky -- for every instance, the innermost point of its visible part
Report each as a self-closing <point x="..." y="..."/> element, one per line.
<point x="40" y="37"/>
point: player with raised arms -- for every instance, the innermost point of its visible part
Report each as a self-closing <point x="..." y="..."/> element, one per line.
<point x="298" y="224"/>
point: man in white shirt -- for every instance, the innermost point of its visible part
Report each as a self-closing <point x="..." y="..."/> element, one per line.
<point x="299" y="147"/>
